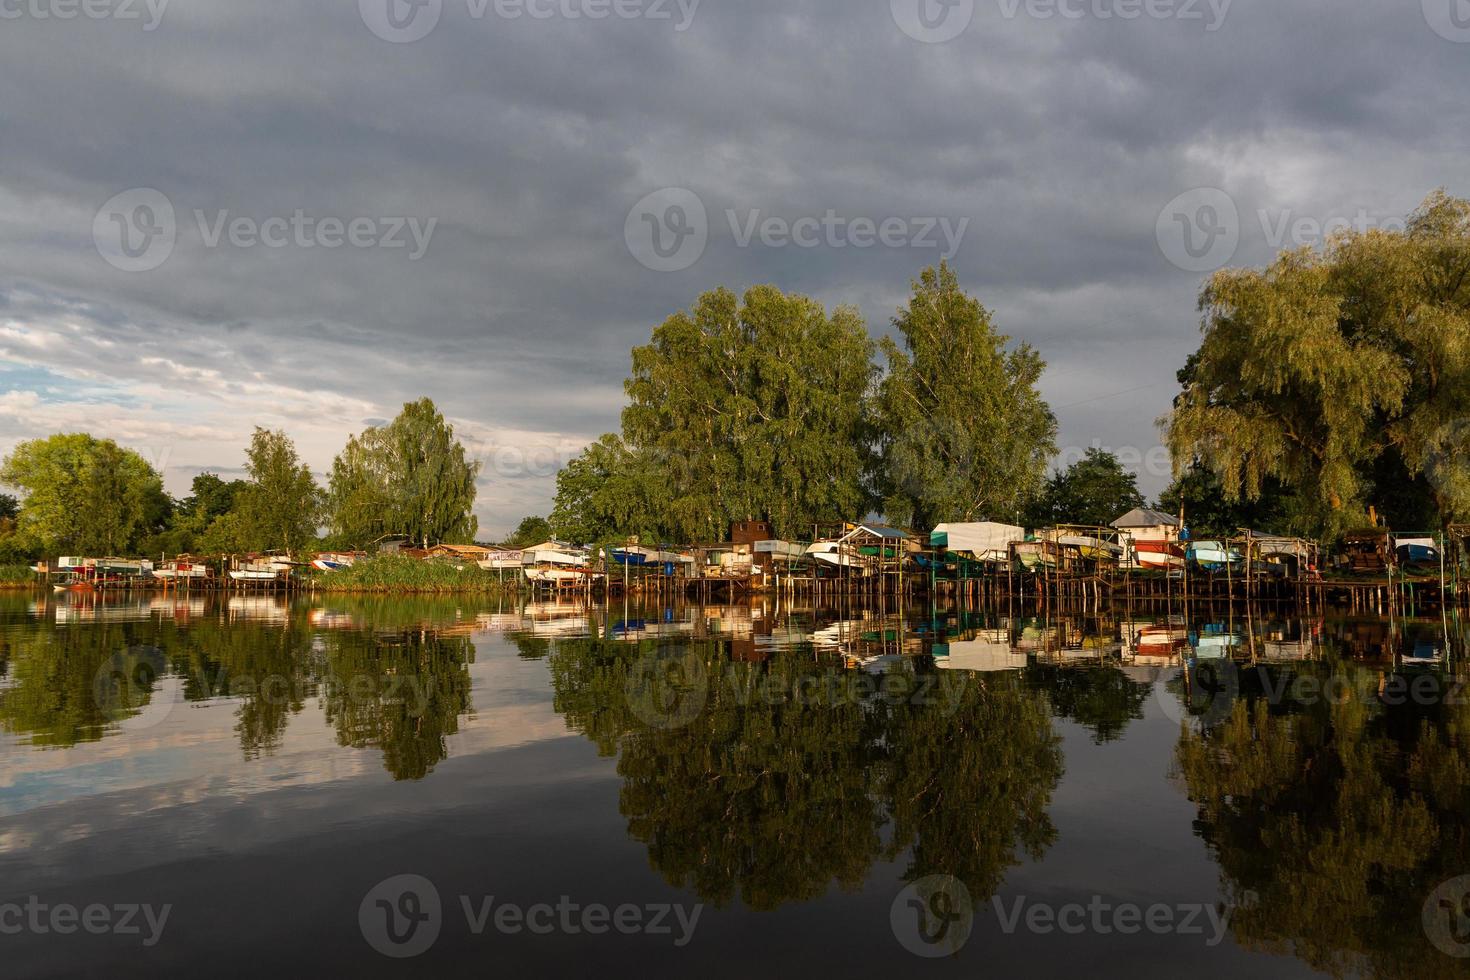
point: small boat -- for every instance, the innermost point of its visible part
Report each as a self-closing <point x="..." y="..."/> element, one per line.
<point x="833" y="553"/>
<point x="256" y="571"/>
<point x="1159" y="554"/>
<point x="780" y="549"/>
<point x="1214" y="556"/>
<point x="1093" y="549"/>
<point x="558" y="568"/>
<point x="185" y="569"/>
<point x="1035" y="556"/>
<point x="331" y="561"/>
<point x="1417" y="551"/>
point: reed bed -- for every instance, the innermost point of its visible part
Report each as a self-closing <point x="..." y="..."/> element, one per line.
<point x="16" y="576"/>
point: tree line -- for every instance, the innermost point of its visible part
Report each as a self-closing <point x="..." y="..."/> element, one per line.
<point x="89" y="496"/>
<point x="1329" y="389"/>
<point x="769" y="407"/>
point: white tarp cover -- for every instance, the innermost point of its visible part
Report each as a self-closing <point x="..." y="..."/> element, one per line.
<point x="986" y="540"/>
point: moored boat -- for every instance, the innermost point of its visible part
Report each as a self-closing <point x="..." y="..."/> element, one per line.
<point x="1214" y="556"/>
<point x="1159" y="554"/>
<point x="331" y="561"/>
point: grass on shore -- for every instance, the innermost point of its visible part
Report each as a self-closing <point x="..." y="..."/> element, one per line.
<point x="398" y="573"/>
<point x="15" y="575"/>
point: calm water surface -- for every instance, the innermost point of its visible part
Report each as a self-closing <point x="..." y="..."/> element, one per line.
<point x="751" y="789"/>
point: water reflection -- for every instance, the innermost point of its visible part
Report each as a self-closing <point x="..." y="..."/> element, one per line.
<point x="768" y="753"/>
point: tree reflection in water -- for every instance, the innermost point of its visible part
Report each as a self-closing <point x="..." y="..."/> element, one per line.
<point x="784" y="782"/>
<point x="401" y="689"/>
<point x="1334" y="808"/>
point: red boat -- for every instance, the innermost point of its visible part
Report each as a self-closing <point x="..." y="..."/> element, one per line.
<point x="1159" y="554"/>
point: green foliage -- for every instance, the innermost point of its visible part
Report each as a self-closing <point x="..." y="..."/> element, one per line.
<point x="1094" y="491"/>
<point x="192" y="526"/>
<point x="1337" y="811"/>
<point x="747" y="408"/>
<point x="84" y="495"/>
<point x="965" y="435"/>
<point x="607" y="493"/>
<point x="769" y="797"/>
<point x="410" y="477"/>
<point x="531" y="530"/>
<point x="278" y="509"/>
<point x="17" y="574"/>
<point x="1210" y="513"/>
<point x="1343" y="373"/>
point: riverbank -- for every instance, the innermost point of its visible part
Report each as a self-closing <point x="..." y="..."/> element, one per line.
<point x="17" y="577"/>
<point x="401" y="575"/>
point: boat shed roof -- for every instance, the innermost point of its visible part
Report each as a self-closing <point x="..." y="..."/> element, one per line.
<point x="1146" y="517"/>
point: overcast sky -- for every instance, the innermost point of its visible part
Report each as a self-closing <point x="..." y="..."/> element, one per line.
<point x="479" y="185"/>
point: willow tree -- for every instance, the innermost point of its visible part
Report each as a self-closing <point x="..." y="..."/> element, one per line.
<point x="965" y="434"/>
<point x="410" y="477"/>
<point x="1343" y="373"/>
<point x="751" y="408"/>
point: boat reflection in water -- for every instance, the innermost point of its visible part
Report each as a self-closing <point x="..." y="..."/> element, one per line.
<point x="760" y="756"/>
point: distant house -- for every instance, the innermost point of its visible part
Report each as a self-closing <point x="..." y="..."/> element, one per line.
<point x="1144" y="523"/>
<point x="391" y="544"/>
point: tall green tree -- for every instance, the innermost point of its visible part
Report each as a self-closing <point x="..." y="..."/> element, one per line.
<point x="965" y="434"/>
<point x="410" y="477"/>
<point x="532" y="530"/>
<point x="606" y="493"/>
<point x="1094" y="491"/>
<point x="752" y="408"/>
<point x="279" y="509"/>
<point x="84" y="494"/>
<point x="1343" y="373"/>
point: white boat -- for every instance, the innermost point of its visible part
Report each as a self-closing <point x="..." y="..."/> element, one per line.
<point x="332" y="561"/>
<point x="832" y="553"/>
<point x="260" y="571"/>
<point x="555" y="567"/>
<point x="181" y="569"/>
<point x="781" y="549"/>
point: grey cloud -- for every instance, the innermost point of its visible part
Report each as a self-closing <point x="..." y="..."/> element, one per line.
<point x="530" y="141"/>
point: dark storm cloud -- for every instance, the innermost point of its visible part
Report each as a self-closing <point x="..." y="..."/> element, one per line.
<point x="526" y="142"/>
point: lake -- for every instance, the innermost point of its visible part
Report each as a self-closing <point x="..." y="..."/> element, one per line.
<point x="256" y="787"/>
